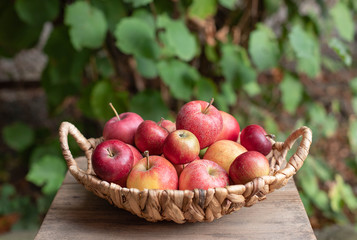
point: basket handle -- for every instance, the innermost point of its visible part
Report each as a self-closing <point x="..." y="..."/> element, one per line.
<point x="84" y="144"/>
<point x="297" y="159"/>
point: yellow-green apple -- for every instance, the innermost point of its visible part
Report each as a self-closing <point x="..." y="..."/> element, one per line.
<point x="224" y="152"/>
<point x="122" y="127"/>
<point x="169" y="125"/>
<point x="153" y="172"/>
<point x="137" y="155"/>
<point x="254" y="138"/>
<point x="203" y="174"/>
<point x="150" y="136"/>
<point x="112" y="161"/>
<point x="231" y="129"/>
<point x="202" y="119"/>
<point x="181" y="146"/>
<point x="247" y="166"/>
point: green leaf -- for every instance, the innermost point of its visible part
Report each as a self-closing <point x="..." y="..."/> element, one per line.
<point x="352" y="134"/>
<point x="149" y="105"/>
<point x="102" y="94"/>
<point x="63" y="74"/>
<point x="341" y="50"/>
<point x="206" y="89"/>
<point x="18" y="136"/>
<point x="307" y="180"/>
<point x="263" y="47"/>
<point x="87" y="24"/>
<point x="321" y="122"/>
<point x="321" y="200"/>
<point x="237" y="70"/>
<point x="146" y="67"/>
<point x="202" y="9"/>
<point x="7" y="190"/>
<point x="252" y="88"/>
<point x="180" y="77"/>
<point x="104" y="67"/>
<point x="113" y="10"/>
<point x="145" y="16"/>
<point x="302" y="42"/>
<point x="228" y="93"/>
<point x="270" y="125"/>
<point x="211" y="53"/>
<point x="52" y="148"/>
<point x="138" y="3"/>
<point x="15" y="35"/>
<point x="29" y="12"/>
<point x="230" y="4"/>
<point x="134" y="36"/>
<point x="48" y="173"/>
<point x="291" y="91"/>
<point x="306" y="48"/>
<point x="353" y="86"/>
<point x="221" y="102"/>
<point x="179" y="38"/>
<point x="307" y="202"/>
<point x="322" y="170"/>
<point x="343" y="20"/>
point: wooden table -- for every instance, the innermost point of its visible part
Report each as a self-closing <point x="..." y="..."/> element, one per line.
<point x="78" y="214"/>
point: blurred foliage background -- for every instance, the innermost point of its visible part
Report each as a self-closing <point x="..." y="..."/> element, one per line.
<point x="281" y="64"/>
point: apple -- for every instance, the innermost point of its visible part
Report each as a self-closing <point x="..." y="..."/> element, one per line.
<point x="169" y="125"/>
<point x="137" y="155"/>
<point x="254" y="138"/>
<point x="181" y="146"/>
<point x="122" y="127"/>
<point x="202" y="119"/>
<point x="179" y="168"/>
<point x="112" y="161"/>
<point x="202" y="152"/>
<point x="153" y="172"/>
<point x="150" y="136"/>
<point x="224" y="152"/>
<point x="203" y="174"/>
<point x="247" y="166"/>
<point x="230" y="130"/>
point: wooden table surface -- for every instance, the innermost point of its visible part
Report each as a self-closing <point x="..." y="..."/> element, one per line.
<point x="76" y="213"/>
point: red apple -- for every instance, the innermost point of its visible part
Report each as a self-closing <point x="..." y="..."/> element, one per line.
<point x="169" y="125"/>
<point x="112" y="161"/>
<point x="247" y="166"/>
<point x="179" y="167"/>
<point x="137" y="155"/>
<point x="122" y="127"/>
<point x="150" y="136"/>
<point x="153" y="172"/>
<point x="202" y="119"/>
<point x="231" y="129"/>
<point x="254" y="138"/>
<point x="203" y="174"/>
<point x="224" y="152"/>
<point x="181" y="146"/>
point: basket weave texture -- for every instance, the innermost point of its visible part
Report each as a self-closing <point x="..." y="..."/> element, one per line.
<point x="189" y="205"/>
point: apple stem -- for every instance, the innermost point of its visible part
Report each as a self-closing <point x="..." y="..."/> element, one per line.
<point x="146" y="154"/>
<point x="160" y="122"/>
<point x="272" y="136"/>
<point x="209" y="104"/>
<point x="110" y="153"/>
<point x="115" y="111"/>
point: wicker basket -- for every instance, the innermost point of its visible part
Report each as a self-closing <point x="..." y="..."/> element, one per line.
<point x="190" y="205"/>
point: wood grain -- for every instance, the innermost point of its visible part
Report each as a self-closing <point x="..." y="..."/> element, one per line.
<point x="78" y="214"/>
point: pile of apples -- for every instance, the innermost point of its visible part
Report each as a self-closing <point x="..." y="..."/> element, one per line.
<point x="199" y="151"/>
